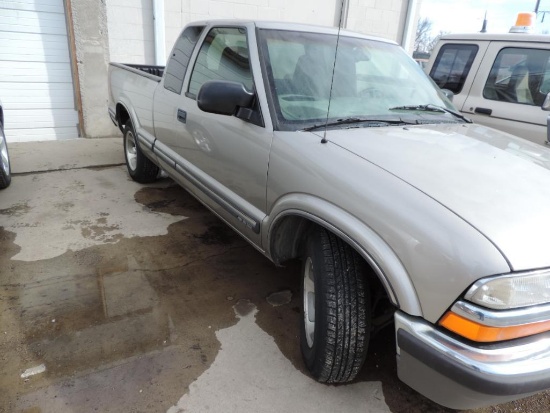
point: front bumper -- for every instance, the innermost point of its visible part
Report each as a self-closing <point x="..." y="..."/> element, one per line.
<point x="462" y="376"/>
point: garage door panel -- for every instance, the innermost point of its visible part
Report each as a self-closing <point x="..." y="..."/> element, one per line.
<point x="51" y="40"/>
<point x="31" y="22"/>
<point x="54" y="76"/>
<point x="39" y="56"/>
<point x="39" y="118"/>
<point x="40" y="134"/>
<point x="38" y="102"/>
<point x="23" y="87"/>
<point x="36" y="83"/>
<point x="33" y="5"/>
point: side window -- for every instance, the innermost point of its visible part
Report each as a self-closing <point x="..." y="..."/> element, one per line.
<point x="519" y="76"/>
<point x="222" y="56"/>
<point x="177" y="65"/>
<point x="452" y="65"/>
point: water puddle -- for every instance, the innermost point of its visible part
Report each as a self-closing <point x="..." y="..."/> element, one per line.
<point x="250" y="374"/>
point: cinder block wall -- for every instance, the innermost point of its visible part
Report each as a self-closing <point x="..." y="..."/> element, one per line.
<point x="131" y="37"/>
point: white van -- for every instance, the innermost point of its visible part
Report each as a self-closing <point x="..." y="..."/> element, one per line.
<point x="498" y="80"/>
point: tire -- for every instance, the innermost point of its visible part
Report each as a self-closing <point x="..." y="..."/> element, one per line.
<point x="140" y="168"/>
<point x="334" y="339"/>
<point x="5" y="167"/>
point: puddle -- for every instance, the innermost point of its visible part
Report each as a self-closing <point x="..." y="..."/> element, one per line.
<point x="250" y="374"/>
<point x="75" y="210"/>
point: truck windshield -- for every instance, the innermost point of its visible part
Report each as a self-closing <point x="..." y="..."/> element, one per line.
<point x="371" y="80"/>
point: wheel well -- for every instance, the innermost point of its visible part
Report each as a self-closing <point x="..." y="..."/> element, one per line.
<point x="122" y="116"/>
<point x="288" y="240"/>
<point x="1" y="117"/>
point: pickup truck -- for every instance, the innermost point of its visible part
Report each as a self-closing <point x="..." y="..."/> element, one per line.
<point x="498" y="80"/>
<point x="336" y="149"/>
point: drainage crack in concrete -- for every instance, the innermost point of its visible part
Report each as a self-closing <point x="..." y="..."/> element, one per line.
<point x="94" y="167"/>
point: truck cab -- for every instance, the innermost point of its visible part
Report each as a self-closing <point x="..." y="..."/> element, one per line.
<point x="498" y="80"/>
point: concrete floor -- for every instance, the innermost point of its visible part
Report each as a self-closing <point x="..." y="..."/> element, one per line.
<point x="119" y="297"/>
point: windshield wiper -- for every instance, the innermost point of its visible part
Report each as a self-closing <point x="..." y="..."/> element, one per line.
<point x="347" y="121"/>
<point x="432" y="108"/>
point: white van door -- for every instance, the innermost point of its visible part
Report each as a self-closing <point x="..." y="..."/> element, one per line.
<point x="509" y="89"/>
<point x="455" y="66"/>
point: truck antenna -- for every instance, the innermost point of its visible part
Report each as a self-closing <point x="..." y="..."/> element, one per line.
<point x="324" y="140"/>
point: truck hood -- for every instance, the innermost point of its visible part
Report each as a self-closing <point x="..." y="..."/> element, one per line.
<point x="498" y="183"/>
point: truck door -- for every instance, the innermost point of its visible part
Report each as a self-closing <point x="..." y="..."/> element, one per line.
<point x="223" y="160"/>
<point x="509" y="89"/>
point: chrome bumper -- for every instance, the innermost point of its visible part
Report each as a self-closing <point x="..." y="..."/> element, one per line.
<point x="461" y="376"/>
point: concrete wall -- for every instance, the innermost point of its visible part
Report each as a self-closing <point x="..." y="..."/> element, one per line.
<point x="92" y="56"/>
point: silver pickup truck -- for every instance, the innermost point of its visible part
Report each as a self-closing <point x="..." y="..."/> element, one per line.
<point x="334" y="148"/>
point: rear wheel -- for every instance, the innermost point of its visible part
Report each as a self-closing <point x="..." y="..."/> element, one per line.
<point x="140" y="168"/>
<point x="336" y="321"/>
<point x="5" y="168"/>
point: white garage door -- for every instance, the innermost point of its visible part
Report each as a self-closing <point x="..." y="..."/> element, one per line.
<point x="36" y="87"/>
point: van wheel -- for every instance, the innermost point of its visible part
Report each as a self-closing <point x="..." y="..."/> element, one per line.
<point x="336" y="321"/>
<point x="5" y="168"/>
<point x="140" y="168"/>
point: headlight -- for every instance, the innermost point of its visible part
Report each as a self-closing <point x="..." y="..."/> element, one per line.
<point x="511" y="291"/>
<point x="502" y="308"/>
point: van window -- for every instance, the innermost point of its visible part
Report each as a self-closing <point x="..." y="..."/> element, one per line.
<point x="222" y="56"/>
<point x="177" y="65"/>
<point x="452" y="65"/>
<point x="519" y="75"/>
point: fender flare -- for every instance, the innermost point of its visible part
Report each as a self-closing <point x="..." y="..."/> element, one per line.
<point x="383" y="260"/>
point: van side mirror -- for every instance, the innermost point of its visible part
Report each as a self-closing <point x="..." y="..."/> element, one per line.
<point x="448" y="94"/>
<point x="546" y="103"/>
<point x="223" y="97"/>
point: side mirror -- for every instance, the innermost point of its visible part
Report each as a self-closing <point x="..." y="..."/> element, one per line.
<point x="448" y="94"/>
<point x="223" y="97"/>
<point x="546" y="103"/>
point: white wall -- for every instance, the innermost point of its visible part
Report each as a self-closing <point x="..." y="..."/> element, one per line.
<point x="180" y="12"/>
<point x="131" y="37"/>
<point x="130" y="22"/>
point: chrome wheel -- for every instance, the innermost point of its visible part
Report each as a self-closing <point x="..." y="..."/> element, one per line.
<point x="131" y="150"/>
<point x="4" y="154"/>
<point x="309" y="302"/>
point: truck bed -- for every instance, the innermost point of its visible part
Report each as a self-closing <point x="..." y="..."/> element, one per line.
<point x="153" y="71"/>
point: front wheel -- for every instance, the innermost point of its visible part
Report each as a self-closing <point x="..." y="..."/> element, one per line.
<point x="335" y="325"/>
<point x="140" y="168"/>
<point x="5" y="169"/>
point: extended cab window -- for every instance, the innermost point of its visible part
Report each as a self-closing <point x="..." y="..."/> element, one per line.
<point x="519" y="75"/>
<point x="222" y="56"/>
<point x="177" y="65"/>
<point x="452" y="65"/>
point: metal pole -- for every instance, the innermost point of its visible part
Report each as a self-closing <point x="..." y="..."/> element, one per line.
<point x="537" y="6"/>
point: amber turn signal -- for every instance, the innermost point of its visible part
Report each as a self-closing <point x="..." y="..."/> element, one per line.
<point x="485" y="334"/>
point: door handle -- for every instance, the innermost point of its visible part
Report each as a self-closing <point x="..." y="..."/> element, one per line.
<point x="182" y="116"/>
<point x="483" y="111"/>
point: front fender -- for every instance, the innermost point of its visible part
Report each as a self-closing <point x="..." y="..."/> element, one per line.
<point x="363" y="239"/>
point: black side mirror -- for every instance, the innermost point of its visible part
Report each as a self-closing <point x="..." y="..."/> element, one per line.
<point x="223" y="97"/>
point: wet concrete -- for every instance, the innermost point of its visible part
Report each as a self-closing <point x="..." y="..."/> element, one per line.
<point x="136" y="298"/>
